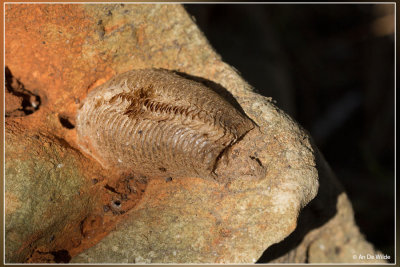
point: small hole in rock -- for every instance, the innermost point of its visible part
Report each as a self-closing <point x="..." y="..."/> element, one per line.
<point x="109" y="188"/>
<point x="117" y="203"/>
<point x="257" y="160"/>
<point x="24" y="102"/>
<point x="65" y="122"/>
<point x="61" y="256"/>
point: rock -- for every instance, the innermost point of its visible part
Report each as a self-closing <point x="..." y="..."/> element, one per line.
<point x="13" y="104"/>
<point x="45" y="192"/>
<point x="196" y="221"/>
<point x="75" y="48"/>
<point x="55" y="197"/>
<point x="326" y="230"/>
<point x="20" y="102"/>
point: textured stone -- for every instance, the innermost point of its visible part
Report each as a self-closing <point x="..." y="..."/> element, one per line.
<point x="326" y="230"/>
<point x="75" y="48"/>
<point x="45" y="192"/>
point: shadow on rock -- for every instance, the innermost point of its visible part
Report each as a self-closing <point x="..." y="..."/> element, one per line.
<point x="317" y="213"/>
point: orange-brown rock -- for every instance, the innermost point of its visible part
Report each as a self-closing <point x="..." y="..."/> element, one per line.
<point x="62" y="205"/>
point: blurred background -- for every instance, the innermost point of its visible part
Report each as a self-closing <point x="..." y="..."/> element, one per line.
<point x="331" y="67"/>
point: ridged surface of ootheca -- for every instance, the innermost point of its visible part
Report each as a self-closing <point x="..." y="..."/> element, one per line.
<point x="157" y="124"/>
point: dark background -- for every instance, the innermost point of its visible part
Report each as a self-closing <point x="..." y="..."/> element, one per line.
<point x="331" y="67"/>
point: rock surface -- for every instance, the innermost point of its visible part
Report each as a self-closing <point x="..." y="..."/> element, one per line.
<point x="45" y="192"/>
<point x="74" y="48"/>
